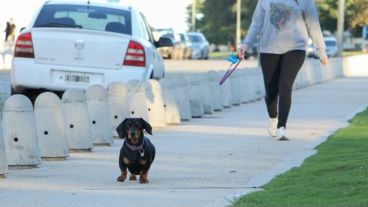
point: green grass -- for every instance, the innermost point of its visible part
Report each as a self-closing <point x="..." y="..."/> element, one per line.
<point x="336" y="176"/>
<point x="219" y="55"/>
<point x="352" y="53"/>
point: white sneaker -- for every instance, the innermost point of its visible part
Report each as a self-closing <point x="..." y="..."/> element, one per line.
<point x="281" y="134"/>
<point x="273" y="127"/>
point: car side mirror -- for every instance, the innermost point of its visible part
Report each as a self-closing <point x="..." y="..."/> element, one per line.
<point x="164" y="42"/>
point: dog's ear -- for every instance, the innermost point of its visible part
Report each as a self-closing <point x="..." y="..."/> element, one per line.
<point x="121" y="129"/>
<point x="147" y="126"/>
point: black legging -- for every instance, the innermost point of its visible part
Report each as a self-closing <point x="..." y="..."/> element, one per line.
<point x="279" y="72"/>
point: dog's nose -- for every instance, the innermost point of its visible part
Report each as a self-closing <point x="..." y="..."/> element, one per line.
<point x="132" y="134"/>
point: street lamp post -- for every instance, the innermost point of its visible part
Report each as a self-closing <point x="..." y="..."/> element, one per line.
<point x="193" y="16"/>
<point x="238" y="21"/>
<point x="340" y="26"/>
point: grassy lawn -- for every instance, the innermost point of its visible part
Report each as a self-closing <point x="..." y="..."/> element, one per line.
<point x="219" y="55"/>
<point x="352" y="53"/>
<point x="337" y="176"/>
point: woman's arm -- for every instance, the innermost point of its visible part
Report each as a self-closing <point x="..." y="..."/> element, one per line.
<point x="314" y="30"/>
<point x="254" y="29"/>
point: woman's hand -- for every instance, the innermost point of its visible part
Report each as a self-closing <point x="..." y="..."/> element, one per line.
<point x="324" y="60"/>
<point x="241" y="50"/>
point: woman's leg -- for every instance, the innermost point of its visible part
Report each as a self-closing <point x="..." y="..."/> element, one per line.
<point x="291" y="63"/>
<point x="270" y="64"/>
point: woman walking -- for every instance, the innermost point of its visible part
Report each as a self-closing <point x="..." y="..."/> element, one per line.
<point x="283" y="28"/>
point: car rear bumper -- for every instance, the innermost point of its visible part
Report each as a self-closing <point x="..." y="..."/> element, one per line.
<point x="27" y="74"/>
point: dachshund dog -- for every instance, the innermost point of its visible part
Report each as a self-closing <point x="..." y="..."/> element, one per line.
<point x="137" y="152"/>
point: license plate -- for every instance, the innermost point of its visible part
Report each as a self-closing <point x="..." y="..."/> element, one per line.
<point x="76" y="78"/>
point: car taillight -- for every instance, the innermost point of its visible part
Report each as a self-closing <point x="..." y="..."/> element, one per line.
<point x="24" y="46"/>
<point x="135" y="55"/>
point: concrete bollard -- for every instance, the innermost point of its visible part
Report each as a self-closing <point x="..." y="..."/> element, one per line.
<point x="182" y="95"/>
<point x="258" y="83"/>
<point x="304" y="80"/>
<point x="236" y="89"/>
<point x="145" y="101"/>
<point x="215" y="87"/>
<point x="207" y="97"/>
<point x="300" y="80"/>
<point x="195" y="96"/>
<point x="117" y="93"/>
<point x="99" y="115"/>
<point x="226" y="92"/>
<point x="137" y="99"/>
<point x="171" y="107"/>
<point x="50" y="127"/>
<point x="155" y="103"/>
<point x="3" y="162"/>
<point x="183" y="100"/>
<point x="76" y="120"/>
<point x="250" y="82"/>
<point x="245" y="91"/>
<point x="20" y="134"/>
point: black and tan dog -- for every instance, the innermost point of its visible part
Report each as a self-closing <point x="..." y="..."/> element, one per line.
<point x="137" y="152"/>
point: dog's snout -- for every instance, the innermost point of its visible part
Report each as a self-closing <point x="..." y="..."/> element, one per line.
<point x="132" y="134"/>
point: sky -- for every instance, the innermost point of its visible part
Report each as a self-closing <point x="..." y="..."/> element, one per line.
<point x="159" y="13"/>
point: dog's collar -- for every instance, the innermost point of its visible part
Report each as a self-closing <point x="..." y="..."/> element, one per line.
<point x="134" y="148"/>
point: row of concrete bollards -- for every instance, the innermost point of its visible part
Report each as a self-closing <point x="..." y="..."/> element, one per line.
<point x="83" y="119"/>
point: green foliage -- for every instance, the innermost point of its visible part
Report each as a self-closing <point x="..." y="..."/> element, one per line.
<point x="356" y="14"/>
<point x="217" y="19"/>
<point x="337" y="176"/>
<point x="218" y="22"/>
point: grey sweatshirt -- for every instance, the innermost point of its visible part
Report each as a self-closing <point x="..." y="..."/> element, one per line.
<point x="285" y="25"/>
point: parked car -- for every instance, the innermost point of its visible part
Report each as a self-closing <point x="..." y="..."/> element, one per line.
<point x="184" y="38"/>
<point x="331" y="47"/>
<point x="177" y="50"/>
<point x="200" y="45"/>
<point x="75" y="44"/>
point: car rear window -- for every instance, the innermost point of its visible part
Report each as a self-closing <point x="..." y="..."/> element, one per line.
<point x="195" y="38"/>
<point x="85" y="17"/>
<point x="330" y="43"/>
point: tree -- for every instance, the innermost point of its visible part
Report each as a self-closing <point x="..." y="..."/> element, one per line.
<point x="218" y="22"/>
<point x="356" y="12"/>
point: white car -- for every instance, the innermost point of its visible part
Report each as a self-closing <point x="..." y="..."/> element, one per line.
<point x="331" y="46"/>
<point x="200" y="45"/>
<point x="75" y="44"/>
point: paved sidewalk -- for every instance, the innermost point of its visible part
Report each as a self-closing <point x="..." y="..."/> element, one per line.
<point x="201" y="163"/>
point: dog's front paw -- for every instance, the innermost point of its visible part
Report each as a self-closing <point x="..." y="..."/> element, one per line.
<point x="133" y="177"/>
<point x="121" y="178"/>
<point x="143" y="180"/>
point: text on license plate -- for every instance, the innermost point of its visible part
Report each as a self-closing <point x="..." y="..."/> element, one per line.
<point x="76" y="78"/>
